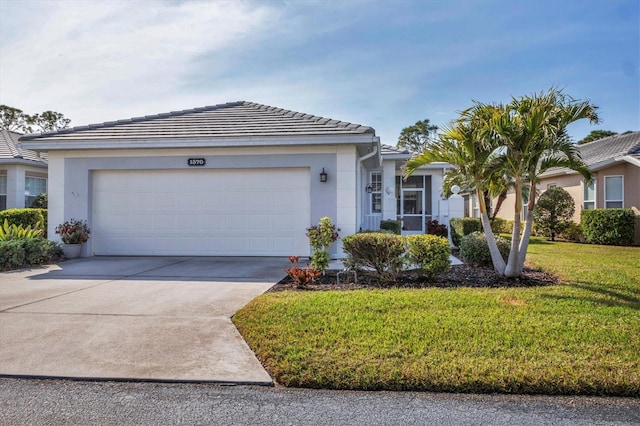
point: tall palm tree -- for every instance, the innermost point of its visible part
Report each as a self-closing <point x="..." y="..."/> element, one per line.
<point x="498" y="185"/>
<point x="464" y="145"/>
<point x="532" y="130"/>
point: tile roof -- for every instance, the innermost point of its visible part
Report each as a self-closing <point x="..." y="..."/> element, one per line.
<point x="394" y="150"/>
<point x="611" y="147"/>
<point x="10" y="149"/>
<point x="231" y="120"/>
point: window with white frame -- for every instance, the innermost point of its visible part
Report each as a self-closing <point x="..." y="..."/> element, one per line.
<point x="613" y="192"/>
<point x="3" y="192"/>
<point x="589" y="195"/>
<point x="33" y="186"/>
<point x="375" y="181"/>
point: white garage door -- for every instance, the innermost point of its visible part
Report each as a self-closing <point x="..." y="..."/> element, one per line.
<point x="248" y="212"/>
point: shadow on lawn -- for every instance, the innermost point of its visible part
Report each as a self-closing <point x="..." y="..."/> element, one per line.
<point x="605" y="296"/>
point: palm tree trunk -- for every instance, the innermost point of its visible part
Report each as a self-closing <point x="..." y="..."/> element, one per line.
<point x="524" y="244"/>
<point x="496" y="257"/>
<point x="511" y="270"/>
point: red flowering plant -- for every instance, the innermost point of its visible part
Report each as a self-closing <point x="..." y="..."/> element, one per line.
<point x="73" y="231"/>
<point x="301" y="276"/>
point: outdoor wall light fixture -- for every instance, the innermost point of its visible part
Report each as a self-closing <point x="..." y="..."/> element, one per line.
<point x="369" y="189"/>
<point x="323" y="176"/>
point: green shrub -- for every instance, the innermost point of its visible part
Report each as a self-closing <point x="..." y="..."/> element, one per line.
<point x="430" y="253"/>
<point x="11" y="254"/>
<point x="475" y="250"/>
<point x="15" y="232"/>
<point x="321" y="237"/>
<point x="553" y="212"/>
<point x="501" y="226"/>
<point x="382" y="252"/>
<point x="572" y="232"/>
<point x="381" y="231"/>
<point x="394" y="226"/>
<point x="24" y="217"/>
<point x="38" y="251"/>
<point x="27" y="251"/>
<point x="463" y="226"/>
<point x="41" y="201"/>
<point x="608" y="226"/>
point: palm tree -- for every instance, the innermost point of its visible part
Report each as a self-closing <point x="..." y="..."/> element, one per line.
<point x="532" y="130"/>
<point x="498" y="185"/>
<point x="465" y="145"/>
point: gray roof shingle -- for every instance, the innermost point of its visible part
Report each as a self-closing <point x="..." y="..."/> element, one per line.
<point x="231" y="120"/>
<point x="611" y="147"/>
<point x="394" y="150"/>
<point x="11" y="150"/>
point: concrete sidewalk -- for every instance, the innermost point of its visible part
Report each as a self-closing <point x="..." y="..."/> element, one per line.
<point x="156" y="318"/>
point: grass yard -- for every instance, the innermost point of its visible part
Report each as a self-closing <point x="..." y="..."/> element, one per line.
<point x="579" y="338"/>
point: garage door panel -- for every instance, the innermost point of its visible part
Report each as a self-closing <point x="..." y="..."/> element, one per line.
<point x="256" y="212"/>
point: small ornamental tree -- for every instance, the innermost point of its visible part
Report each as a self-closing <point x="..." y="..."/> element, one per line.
<point x="553" y="212"/>
<point x="321" y="237"/>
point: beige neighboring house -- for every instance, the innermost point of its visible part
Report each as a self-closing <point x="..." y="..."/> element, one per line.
<point x="615" y="164"/>
<point x="23" y="173"/>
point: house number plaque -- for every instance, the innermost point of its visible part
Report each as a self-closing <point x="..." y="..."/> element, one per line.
<point x="194" y="162"/>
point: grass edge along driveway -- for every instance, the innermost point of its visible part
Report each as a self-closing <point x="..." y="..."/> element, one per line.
<point x="577" y="338"/>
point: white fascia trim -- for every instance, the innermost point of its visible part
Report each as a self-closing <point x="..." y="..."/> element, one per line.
<point x="23" y="162"/>
<point x="52" y="145"/>
<point x="630" y="159"/>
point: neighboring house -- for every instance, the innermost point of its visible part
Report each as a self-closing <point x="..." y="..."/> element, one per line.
<point x="23" y="173"/>
<point x="235" y="179"/>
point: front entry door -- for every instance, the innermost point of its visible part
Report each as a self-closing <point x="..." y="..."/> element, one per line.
<point x="412" y="211"/>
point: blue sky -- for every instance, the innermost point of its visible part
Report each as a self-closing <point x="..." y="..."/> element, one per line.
<point x="386" y="64"/>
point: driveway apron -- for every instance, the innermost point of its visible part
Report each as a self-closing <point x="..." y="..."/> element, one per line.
<point x="133" y="318"/>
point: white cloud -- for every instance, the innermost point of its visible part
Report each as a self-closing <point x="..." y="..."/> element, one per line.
<point x="94" y="55"/>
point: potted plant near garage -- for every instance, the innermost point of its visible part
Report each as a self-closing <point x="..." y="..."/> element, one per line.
<point x="73" y="233"/>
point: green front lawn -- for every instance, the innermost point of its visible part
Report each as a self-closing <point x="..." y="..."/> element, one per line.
<point x="578" y="338"/>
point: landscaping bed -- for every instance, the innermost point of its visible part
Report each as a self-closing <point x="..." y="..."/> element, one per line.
<point x="456" y="276"/>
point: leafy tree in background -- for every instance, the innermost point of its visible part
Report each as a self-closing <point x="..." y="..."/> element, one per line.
<point x="416" y="137"/>
<point x="49" y="121"/>
<point x="553" y="212"/>
<point x="595" y="135"/>
<point x="12" y="119"/>
<point x="15" y="120"/>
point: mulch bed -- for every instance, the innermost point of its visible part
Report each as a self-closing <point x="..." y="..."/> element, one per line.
<point x="456" y="276"/>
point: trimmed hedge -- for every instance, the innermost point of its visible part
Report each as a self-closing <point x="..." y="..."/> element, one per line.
<point x="23" y="252"/>
<point x="501" y="226"/>
<point x="36" y="218"/>
<point x="463" y="226"/>
<point x="474" y="249"/>
<point x="394" y="226"/>
<point x="382" y="252"/>
<point x="572" y="232"/>
<point x="608" y="226"/>
<point x="429" y="252"/>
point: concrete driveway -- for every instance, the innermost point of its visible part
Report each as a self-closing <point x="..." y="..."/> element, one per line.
<point x="145" y="318"/>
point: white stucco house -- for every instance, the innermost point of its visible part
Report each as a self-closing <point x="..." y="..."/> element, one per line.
<point x="235" y="179"/>
<point x="23" y="173"/>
